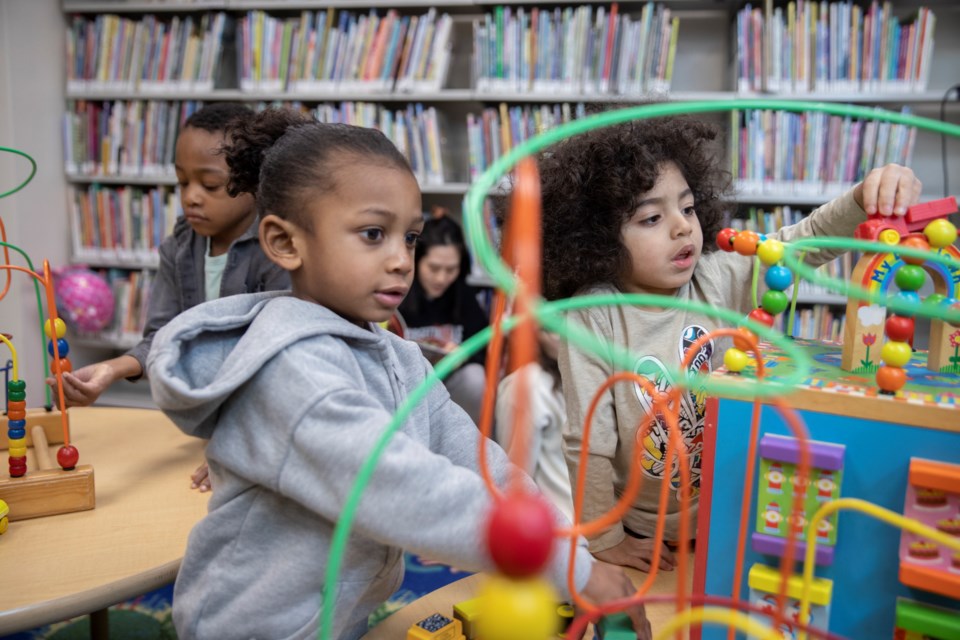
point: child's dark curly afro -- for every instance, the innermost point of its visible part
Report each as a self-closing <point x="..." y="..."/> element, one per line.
<point x="592" y="183"/>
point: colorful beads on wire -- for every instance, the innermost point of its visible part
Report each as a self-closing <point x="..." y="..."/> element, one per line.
<point x="778" y="278"/>
<point x="17" y="427"/>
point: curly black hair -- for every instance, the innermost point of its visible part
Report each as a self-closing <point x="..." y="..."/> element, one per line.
<point x="284" y="157"/>
<point x="591" y="183"/>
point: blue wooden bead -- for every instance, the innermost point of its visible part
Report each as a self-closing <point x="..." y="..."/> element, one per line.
<point x="62" y="346"/>
<point x="17" y="424"/>
<point x="16" y="434"/>
<point x="778" y="278"/>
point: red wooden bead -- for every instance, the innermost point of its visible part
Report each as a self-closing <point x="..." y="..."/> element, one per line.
<point x="891" y="379"/>
<point x="67" y="457"/>
<point x="761" y="316"/>
<point x="741" y="343"/>
<point x="725" y="238"/>
<point x="520" y="534"/>
<point x="899" y="328"/>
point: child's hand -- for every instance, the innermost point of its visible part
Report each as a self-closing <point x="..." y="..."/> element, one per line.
<point x="608" y="582"/>
<point x="200" y="479"/>
<point x="637" y="553"/>
<point x="889" y="190"/>
<point x="82" y="387"/>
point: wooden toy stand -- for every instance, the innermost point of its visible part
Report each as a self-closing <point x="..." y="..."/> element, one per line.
<point x="45" y="490"/>
<point x="876" y="272"/>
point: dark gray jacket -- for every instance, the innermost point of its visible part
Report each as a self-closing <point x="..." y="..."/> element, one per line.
<point x="179" y="283"/>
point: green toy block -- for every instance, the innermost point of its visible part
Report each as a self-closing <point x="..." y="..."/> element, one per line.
<point x="927" y="621"/>
<point x="616" y="626"/>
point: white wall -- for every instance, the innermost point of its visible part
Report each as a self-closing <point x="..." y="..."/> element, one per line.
<point x="31" y="106"/>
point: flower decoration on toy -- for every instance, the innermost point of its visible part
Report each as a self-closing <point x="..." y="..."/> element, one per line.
<point x="84" y="297"/>
<point x="778" y="278"/>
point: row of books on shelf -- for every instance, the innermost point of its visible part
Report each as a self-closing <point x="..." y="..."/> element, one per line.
<point x="773" y="151"/>
<point x="496" y="131"/>
<point x="832" y="47"/>
<point x="320" y="50"/>
<point x="123" y="137"/>
<point x="585" y="49"/>
<point x="126" y="223"/>
<point x="136" y="138"/>
<point x="806" y="46"/>
<point x="112" y="52"/>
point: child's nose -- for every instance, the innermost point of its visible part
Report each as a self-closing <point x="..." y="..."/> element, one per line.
<point x="682" y="226"/>
<point x="401" y="260"/>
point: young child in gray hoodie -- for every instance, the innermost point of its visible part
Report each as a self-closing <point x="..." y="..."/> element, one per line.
<point x="294" y="389"/>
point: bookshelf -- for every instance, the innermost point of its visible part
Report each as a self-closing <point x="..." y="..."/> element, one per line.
<point x="433" y="74"/>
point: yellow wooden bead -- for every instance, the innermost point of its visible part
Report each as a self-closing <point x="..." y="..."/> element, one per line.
<point x="59" y="326"/>
<point x="770" y="251"/>
<point x="4" y="522"/>
<point x="735" y="360"/>
<point x="940" y="233"/>
<point x="517" y="609"/>
<point x="17" y="452"/>
<point x="17" y="442"/>
<point x="895" y="354"/>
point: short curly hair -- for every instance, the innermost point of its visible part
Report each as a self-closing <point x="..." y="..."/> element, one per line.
<point x="591" y="183"/>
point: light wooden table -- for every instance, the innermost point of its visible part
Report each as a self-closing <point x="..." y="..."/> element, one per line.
<point x="58" y="567"/>
<point x="442" y="601"/>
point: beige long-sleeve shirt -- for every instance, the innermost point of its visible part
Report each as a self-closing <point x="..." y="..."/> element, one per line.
<point x="657" y="340"/>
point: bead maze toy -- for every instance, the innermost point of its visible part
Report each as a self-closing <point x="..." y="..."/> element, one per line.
<point x="45" y="490"/>
<point x="827" y="475"/>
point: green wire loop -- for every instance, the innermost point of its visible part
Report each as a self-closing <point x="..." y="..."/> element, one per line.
<point x="548" y="314"/>
<point x="36" y="286"/>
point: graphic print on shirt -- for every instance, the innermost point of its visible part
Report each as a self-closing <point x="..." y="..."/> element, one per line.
<point x="692" y="411"/>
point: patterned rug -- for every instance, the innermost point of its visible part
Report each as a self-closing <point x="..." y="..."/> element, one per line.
<point x="149" y="616"/>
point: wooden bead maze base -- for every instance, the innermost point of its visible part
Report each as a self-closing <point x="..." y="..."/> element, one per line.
<point x="45" y="490"/>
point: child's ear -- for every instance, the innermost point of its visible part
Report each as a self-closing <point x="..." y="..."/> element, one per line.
<point x="276" y="240"/>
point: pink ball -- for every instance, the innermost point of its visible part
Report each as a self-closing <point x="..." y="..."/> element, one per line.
<point x="84" y="299"/>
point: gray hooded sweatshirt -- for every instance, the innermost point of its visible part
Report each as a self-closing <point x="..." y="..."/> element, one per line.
<point x="292" y="398"/>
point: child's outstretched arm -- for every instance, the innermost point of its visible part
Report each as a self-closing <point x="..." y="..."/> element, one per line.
<point x="82" y="387"/>
<point x="889" y="190"/>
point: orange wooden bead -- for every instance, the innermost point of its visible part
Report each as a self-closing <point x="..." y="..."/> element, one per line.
<point x="914" y="242"/>
<point x="16" y="415"/>
<point x="65" y="366"/>
<point x="891" y="379"/>
<point x="745" y="242"/>
<point x="17" y="405"/>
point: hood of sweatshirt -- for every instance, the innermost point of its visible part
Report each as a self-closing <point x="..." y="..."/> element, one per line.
<point x="202" y="357"/>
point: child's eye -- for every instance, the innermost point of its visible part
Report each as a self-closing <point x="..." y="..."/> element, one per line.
<point x="690" y="211"/>
<point x="372" y="235"/>
<point x="412" y="239"/>
<point x="652" y="220"/>
<point x="213" y="187"/>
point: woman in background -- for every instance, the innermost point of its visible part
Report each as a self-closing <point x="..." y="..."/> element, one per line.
<point x="441" y="311"/>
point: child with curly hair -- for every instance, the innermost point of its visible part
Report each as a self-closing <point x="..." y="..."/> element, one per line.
<point x="295" y="389"/>
<point x="635" y="208"/>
